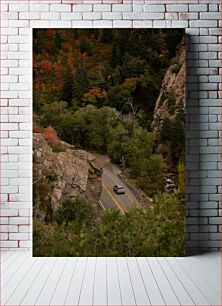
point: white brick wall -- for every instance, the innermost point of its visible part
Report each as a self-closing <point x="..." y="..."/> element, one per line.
<point x="201" y="18"/>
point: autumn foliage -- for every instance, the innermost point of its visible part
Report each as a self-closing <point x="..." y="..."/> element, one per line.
<point x="51" y="136"/>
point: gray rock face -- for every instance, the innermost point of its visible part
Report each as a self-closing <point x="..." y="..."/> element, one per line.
<point x="63" y="175"/>
<point x="172" y="94"/>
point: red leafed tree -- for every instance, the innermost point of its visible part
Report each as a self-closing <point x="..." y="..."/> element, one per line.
<point x="51" y="136"/>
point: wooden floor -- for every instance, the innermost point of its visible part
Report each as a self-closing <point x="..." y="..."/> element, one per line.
<point x="110" y="281"/>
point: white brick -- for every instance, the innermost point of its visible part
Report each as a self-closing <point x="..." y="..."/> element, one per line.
<point x="92" y="16"/>
<point x="39" y="24"/>
<point x="18" y="236"/>
<point x="24" y="47"/>
<point x="18" y="55"/>
<point x="4" y="86"/>
<point x="9" y="142"/>
<point x="60" y="24"/>
<point x="60" y="8"/>
<point x="137" y="8"/>
<point x="19" y="197"/>
<point x="102" y="7"/>
<point x="9" y="189"/>
<point x="212" y="15"/>
<point x="148" y="23"/>
<point x="19" y="134"/>
<point x="82" y="24"/>
<point x="112" y="15"/>
<point x="4" y="181"/>
<point x="9" y="126"/>
<point x="4" y="134"/>
<point x="17" y="39"/>
<point x="18" y="7"/>
<point x="4" y="71"/>
<point x="13" y="47"/>
<point x="154" y="8"/>
<point x="19" y="150"/>
<point x="9" y="173"/>
<point x="102" y="24"/>
<point x="3" y="220"/>
<point x="9" y="31"/>
<point x="50" y="16"/>
<point x="29" y="15"/>
<point x="213" y="7"/>
<point x="25" y="158"/>
<point x="4" y="7"/>
<point x="122" y="23"/>
<point x="24" y="212"/>
<point x="9" y="94"/>
<point x="24" y="229"/>
<point x="71" y="16"/>
<point x="9" y="63"/>
<point x="19" y="182"/>
<point x="137" y="23"/>
<point x="179" y="23"/>
<point x="4" y="102"/>
<point x="9" y="228"/>
<point x="19" y="71"/>
<point x="9" y="16"/>
<point x="40" y="7"/>
<point x="171" y="16"/>
<point x="19" y="118"/>
<point x="25" y="31"/>
<point x="197" y="7"/>
<point x="82" y="8"/>
<point x="4" y="236"/>
<point x="203" y="23"/>
<point x="177" y="8"/>
<point x="9" y="244"/>
<point x="9" y="78"/>
<point x="133" y="15"/>
<point x="19" y="86"/>
<point x="19" y="102"/>
<point x="25" y="244"/>
<point x="18" y="23"/>
<point x="121" y="7"/>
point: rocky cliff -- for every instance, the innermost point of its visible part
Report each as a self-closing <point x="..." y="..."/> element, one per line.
<point x="60" y="175"/>
<point x="171" y="100"/>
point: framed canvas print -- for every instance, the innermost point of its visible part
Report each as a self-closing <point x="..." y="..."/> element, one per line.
<point x="108" y="142"/>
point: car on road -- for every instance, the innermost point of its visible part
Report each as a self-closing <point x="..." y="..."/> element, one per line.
<point x="119" y="189"/>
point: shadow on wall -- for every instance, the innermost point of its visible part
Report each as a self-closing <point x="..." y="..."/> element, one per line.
<point x="193" y="171"/>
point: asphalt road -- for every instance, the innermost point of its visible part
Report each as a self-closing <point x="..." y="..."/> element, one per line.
<point x="109" y="199"/>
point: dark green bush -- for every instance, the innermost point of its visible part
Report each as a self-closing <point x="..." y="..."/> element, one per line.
<point x="78" y="210"/>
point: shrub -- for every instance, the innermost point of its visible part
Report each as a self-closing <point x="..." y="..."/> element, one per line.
<point x="58" y="147"/>
<point x="78" y="210"/>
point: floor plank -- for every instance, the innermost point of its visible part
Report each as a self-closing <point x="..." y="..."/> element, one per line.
<point x="126" y="289"/>
<point x="153" y="290"/>
<point x="37" y="286"/>
<point x="165" y="287"/>
<point x="110" y="281"/>
<point x="13" y="270"/>
<point x="24" y="285"/>
<point x="75" y="286"/>
<point x="180" y="291"/>
<point x="188" y="283"/>
<point x="214" y="279"/>
<point x="113" y="285"/>
<point x="208" y="292"/>
<point x="100" y="283"/>
<point x="48" y="290"/>
<point x="137" y="281"/>
<point x="86" y="294"/>
<point x="63" y="285"/>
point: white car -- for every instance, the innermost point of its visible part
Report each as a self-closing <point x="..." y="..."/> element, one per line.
<point x="119" y="189"/>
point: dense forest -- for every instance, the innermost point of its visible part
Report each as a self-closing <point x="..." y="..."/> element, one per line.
<point x="97" y="88"/>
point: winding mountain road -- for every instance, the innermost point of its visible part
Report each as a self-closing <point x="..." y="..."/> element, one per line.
<point x="109" y="199"/>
